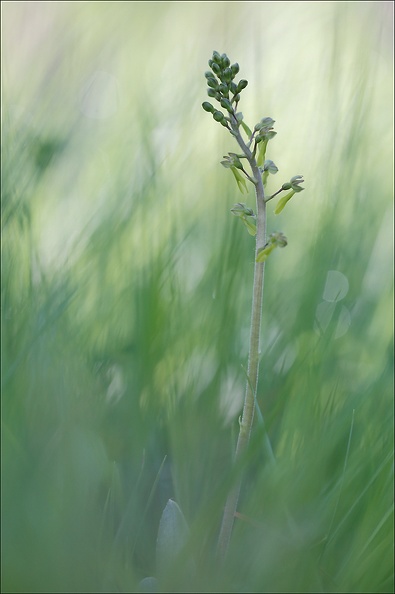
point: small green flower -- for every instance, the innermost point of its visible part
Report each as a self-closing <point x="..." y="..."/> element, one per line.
<point x="276" y="239"/>
<point x="295" y="181"/>
<point x="292" y="185"/>
<point x="270" y="166"/>
<point x="240" y="209"/>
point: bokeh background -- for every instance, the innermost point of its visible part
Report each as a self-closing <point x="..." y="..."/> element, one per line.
<point x="126" y="295"/>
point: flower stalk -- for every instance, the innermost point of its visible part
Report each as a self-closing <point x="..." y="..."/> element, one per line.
<point x="221" y="87"/>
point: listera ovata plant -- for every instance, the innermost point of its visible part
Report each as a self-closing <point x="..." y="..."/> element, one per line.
<point x="248" y="166"/>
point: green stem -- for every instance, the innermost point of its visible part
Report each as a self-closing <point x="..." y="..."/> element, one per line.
<point x="254" y="350"/>
<point x="273" y="195"/>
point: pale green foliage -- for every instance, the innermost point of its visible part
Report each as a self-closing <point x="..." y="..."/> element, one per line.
<point x="126" y="293"/>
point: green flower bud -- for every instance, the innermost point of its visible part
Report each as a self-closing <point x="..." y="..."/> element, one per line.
<point x="242" y="85"/>
<point x="223" y="89"/>
<point x="286" y="186"/>
<point x="235" y="68"/>
<point x="224" y="123"/>
<point x="216" y="57"/>
<point x="207" y="106"/>
<point x="216" y="68"/>
<point x="227" y="104"/>
<point x="225" y="60"/>
<point x="218" y="116"/>
<point x="212" y="93"/>
<point x="237" y="97"/>
<point x="233" y="88"/>
<point x="210" y="63"/>
<point x="211" y="82"/>
<point x="208" y="74"/>
<point x="227" y="75"/>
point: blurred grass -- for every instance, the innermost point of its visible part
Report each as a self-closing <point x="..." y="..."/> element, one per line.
<point x="126" y="297"/>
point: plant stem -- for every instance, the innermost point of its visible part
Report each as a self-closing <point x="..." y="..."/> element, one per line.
<point x="254" y="350"/>
<point x="273" y="195"/>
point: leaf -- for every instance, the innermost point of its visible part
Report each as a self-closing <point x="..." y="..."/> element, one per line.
<point x="261" y="153"/>
<point x="172" y="535"/>
<point x="246" y="129"/>
<point x="283" y="201"/>
<point x="264" y="253"/>
<point x="241" y="182"/>
<point x="251" y="227"/>
<point x="265" y="175"/>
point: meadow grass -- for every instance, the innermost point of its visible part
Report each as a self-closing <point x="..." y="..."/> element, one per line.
<point x="126" y="287"/>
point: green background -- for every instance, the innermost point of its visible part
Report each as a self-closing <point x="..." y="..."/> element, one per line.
<point x="126" y="296"/>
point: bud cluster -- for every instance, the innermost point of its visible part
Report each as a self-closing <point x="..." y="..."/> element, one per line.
<point x="221" y="86"/>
